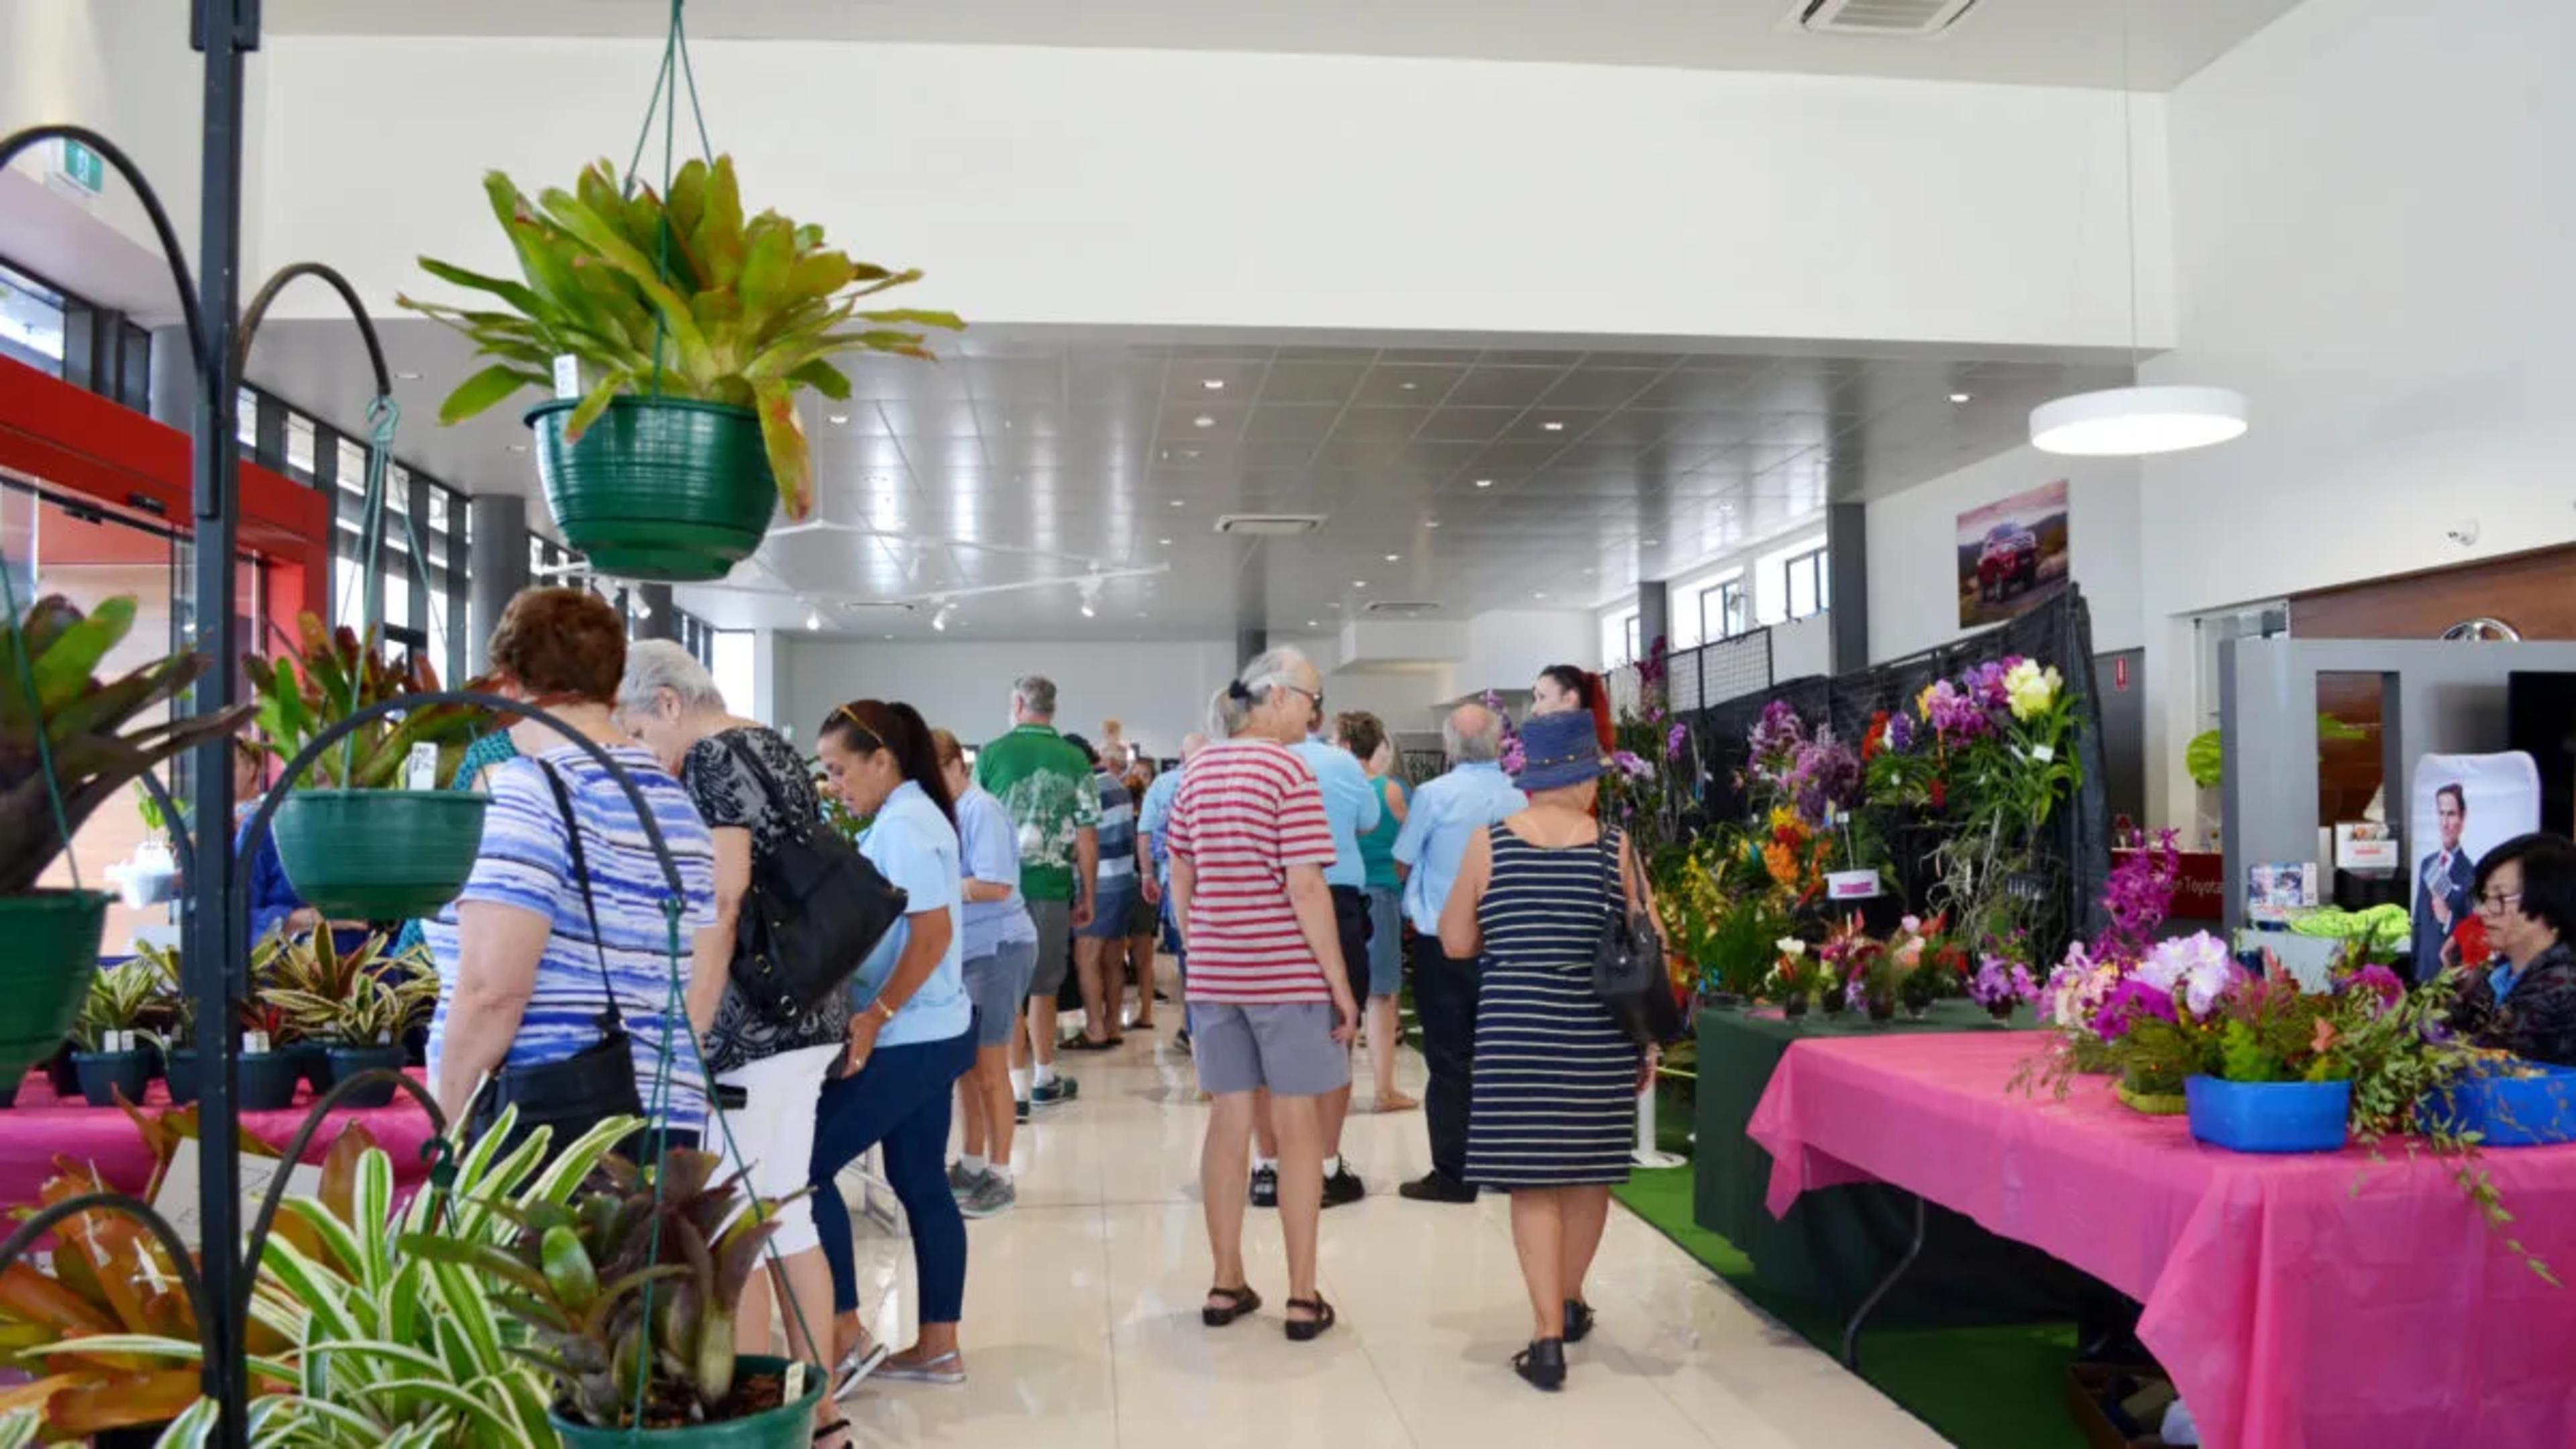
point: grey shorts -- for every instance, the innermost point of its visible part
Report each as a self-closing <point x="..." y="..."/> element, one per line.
<point x="1055" y="946"/>
<point x="1289" y="1049"/>
<point x="998" y="985"/>
<point x="1110" y="912"/>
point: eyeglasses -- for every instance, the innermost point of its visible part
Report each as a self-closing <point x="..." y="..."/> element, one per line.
<point x="2498" y="900"/>
<point x="1315" y="696"/>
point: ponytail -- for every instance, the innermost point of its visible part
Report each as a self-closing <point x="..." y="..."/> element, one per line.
<point x="869" y="725"/>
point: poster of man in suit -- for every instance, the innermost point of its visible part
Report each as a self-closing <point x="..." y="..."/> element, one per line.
<point x="2461" y="807"/>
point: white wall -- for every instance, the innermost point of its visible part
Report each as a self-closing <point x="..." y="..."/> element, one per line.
<point x="1157" y="691"/>
<point x="1802" y="648"/>
<point x="1199" y="188"/>
<point x="2371" y="219"/>
<point x="1913" y="561"/>
<point x="1506" y="648"/>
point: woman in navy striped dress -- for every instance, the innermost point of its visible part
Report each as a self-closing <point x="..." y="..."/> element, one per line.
<point x="1553" y="1115"/>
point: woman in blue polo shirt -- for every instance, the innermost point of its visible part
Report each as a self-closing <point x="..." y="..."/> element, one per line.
<point x="912" y="1035"/>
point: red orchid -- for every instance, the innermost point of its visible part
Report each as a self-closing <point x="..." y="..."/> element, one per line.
<point x="2470" y="937"/>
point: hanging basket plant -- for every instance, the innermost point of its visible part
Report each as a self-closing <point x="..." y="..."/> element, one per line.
<point x="65" y="747"/>
<point x="354" y="844"/>
<point x="675" y="335"/>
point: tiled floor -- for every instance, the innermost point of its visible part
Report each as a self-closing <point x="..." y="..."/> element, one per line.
<point x="1082" y="1327"/>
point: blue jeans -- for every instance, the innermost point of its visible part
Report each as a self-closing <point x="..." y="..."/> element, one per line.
<point x="901" y="1098"/>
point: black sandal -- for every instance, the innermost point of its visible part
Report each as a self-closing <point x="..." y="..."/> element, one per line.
<point x="1308" y="1330"/>
<point x="1542" y="1364"/>
<point x="1240" y="1303"/>
<point x="1578" y="1320"/>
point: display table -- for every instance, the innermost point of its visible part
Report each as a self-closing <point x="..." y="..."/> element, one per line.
<point x="1831" y="1248"/>
<point x="42" y="1126"/>
<point x="2300" y="1302"/>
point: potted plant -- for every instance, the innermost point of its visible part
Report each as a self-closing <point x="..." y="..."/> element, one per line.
<point x="112" y="1058"/>
<point x="86" y="755"/>
<point x="675" y="335"/>
<point x="269" y="1068"/>
<point x="310" y="980"/>
<point x="360" y="1022"/>
<point x="1794" y="978"/>
<point x="627" y="1294"/>
<point x="2000" y="985"/>
<point x="355" y="842"/>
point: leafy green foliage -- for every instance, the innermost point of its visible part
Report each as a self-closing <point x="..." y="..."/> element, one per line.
<point x="362" y="996"/>
<point x="84" y="724"/>
<point x="124" y="997"/>
<point x="334" y="676"/>
<point x="685" y="298"/>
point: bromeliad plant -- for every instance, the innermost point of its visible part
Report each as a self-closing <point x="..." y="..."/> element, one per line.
<point x="335" y="675"/>
<point x="323" y="993"/>
<point x="678" y="295"/>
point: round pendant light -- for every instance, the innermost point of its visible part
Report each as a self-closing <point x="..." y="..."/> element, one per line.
<point x="2127" y="422"/>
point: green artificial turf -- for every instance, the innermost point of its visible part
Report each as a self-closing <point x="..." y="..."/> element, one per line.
<point x="1981" y="1388"/>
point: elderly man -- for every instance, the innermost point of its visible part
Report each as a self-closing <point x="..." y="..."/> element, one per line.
<point x="1446" y="813"/>
<point x="1269" y="999"/>
<point x="1045" y="784"/>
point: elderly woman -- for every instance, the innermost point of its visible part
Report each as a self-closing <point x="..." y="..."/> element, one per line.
<point x="553" y="965"/>
<point x="1553" y="1115"/>
<point x="2525" y="893"/>
<point x="1365" y="736"/>
<point x="751" y="787"/>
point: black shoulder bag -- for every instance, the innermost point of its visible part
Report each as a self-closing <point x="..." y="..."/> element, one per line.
<point x="814" y="910"/>
<point x="594" y="1084"/>
<point x="1628" y="961"/>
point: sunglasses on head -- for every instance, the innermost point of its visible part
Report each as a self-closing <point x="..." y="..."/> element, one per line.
<point x="863" y="738"/>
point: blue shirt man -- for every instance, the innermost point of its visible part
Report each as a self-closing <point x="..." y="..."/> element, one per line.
<point x="1155" y="812"/>
<point x="1445" y="813"/>
<point x="1350" y="806"/>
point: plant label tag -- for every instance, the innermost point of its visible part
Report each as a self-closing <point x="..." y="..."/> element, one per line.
<point x="795" y="1380"/>
<point x="567" y="376"/>
<point x="1852" y="885"/>
<point x="178" y="1196"/>
<point x="420" y="767"/>
<point x="2043" y="753"/>
<point x="256" y="1041"/>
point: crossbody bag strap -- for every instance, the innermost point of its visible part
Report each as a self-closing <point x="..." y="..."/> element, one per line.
<point x="1614" y="881"/>
<point x="610" y="1019"/>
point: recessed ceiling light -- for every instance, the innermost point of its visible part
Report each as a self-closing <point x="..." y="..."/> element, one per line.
<point x="1179" y="502"/>
<point x="1213" y="384"/>
<point x="406" y="377"/>
<point x="1165" y="542"/>
<point x="813" y="618"/>
<point x="1394" y="558"/>
<point x="1410" y="386"/>
<point x="1587" y="573"/>
<point x="1359" y="583"/>
<point x="518" y="447"/>
<point x="1650" y="542"/>
<point x="838" y="419"/>
<point x="1539" y="594"/>
<point x="1203" y="421"/>
<point x="889" y="637"/>
<point x="1484" y="482"/>
<point x="1553" y="426"/>
<point x="1431" y="523"/>
<point x="1958" y="397"/>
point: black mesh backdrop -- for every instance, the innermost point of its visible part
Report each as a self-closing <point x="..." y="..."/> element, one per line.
<point x="2075" y="847"/>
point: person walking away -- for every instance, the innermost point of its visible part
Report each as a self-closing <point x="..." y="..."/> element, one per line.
<point x="1351" y="811"/>
<point x="1445" y="815"/>
<point x="1364" y="735"/>
<point x="1000" y="950"/>
<point x="1553" y="1117"/>
<point x="1100" y="946"/>
<point x="1153" y="822"/>
<point x="912" y="1035"/>
<point x="1143" y="917"/>
<point x="1269" y="1000"/>
<point x="1045" y="784"/>
<point x="750" y="785"/>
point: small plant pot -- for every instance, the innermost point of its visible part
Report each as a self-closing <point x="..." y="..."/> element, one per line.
<point x="348" y="1060"/>
<point x="1881" y="1009"/>
<point x="53" y="941"/>
<point x="1795" y="1007"/>
<point x="789" y="1426"/>
<point x="2001" y="1011"/>
<point x="2269" y="1116"/>
<point x="105" y="1075"/>
<point x="1830" y="1001"/>
<point x="659" y="489"/>
<point x="378" y="855"/>
<point x="180" y="1072"/>
<point x="268" y="1080"/>
<point x="2154" y="1098"/>
<point x="313" y="1061"/>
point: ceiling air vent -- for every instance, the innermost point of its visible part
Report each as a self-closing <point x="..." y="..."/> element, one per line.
<point x="1269" y="525"/>
<point x="1400" y="608"/>
<point x="1897" y="18"/>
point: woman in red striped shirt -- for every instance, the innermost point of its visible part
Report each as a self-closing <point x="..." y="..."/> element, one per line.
<point x="1269" y="1001"/>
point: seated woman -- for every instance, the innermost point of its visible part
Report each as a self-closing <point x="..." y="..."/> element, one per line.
<point x="2525" y="893"/>
<point x="559" y="938"/>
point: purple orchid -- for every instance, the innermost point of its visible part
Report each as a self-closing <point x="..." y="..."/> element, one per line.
<point x="1900" y="732"/>
<point x="2381" y="982"/>
<point x="1674" y="739"/>
<point x="2130" y="1000"/>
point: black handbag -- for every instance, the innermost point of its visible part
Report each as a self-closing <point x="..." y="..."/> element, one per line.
<point x="814" y="910"/>
<point x="592" y="1085"/>
<point x="1628" y="962"/>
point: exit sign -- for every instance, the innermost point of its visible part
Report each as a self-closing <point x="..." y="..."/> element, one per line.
<point x="81" y="167"/>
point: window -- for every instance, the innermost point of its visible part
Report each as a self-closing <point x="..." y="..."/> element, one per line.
<point x="1808" y="590"/>
<point x="1619" y="641"/>
<point x="31" y="323"/>
<point x="1722" y="612"/>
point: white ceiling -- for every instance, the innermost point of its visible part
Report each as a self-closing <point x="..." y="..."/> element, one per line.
<point x="2032" y="42"/>
<point x="1036" y="455"/>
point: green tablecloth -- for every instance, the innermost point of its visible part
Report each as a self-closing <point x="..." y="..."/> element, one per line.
<point x="1836" y="1243"/>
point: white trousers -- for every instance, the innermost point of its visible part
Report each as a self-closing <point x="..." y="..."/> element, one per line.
<point x="773" y="1133"/>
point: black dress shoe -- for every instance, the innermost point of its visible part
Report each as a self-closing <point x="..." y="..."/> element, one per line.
<point x="1344" y="1187"/>
<point x="1265" y="1187"/>
<point x="1542" y="1364"/>
<point x="1435" y="1186"/>
<point x="1578" y="1320"/>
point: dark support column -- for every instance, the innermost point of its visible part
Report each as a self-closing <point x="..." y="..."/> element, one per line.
<point x="214" y="958"/>
<point x="499" y="550"/>
<point x="174" y="378"/>
<point x="1654" y="615"/>
<point x="660" y="619"/>
<point x="1847" y="583"/>
<point x="1248" y="643"/>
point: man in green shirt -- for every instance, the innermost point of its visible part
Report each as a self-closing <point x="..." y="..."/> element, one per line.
<point x="1045" y="783"/>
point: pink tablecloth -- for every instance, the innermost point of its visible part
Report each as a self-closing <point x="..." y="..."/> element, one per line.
<point x="2304" y="1302"/>
<point x="40" y="1126"/>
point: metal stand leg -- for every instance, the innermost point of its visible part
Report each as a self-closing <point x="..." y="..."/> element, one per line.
<point x="1647" y="1154"/>
<point x="1860" y="1315"/>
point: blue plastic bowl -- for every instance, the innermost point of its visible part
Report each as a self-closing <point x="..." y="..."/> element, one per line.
<point x="2268" y="1116"/>
<point x="2514" y="1111"/>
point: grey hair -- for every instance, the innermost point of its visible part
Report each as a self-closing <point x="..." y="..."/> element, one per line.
<point x="1269" y="671"/>
<point x="654" y="665"/>
<point x="1036" y="694"/>
<point x="1485" y="744"/>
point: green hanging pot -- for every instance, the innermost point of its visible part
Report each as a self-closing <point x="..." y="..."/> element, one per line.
<point x="660" y="489"/>
<point x="378" y="855"/>
<point x="789" y="1426"/>
<point x="53" y="941"/>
